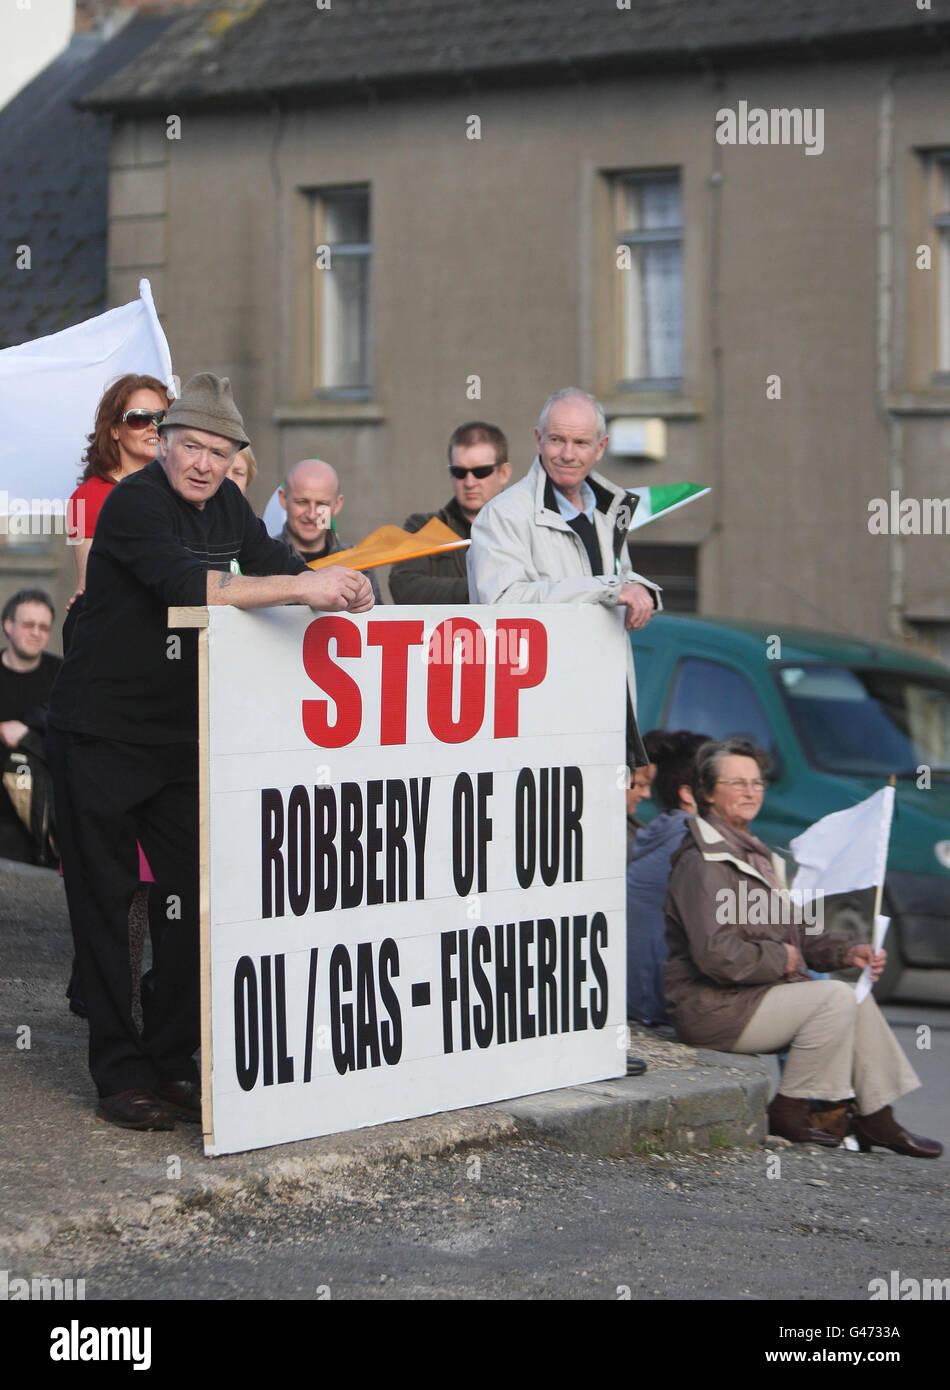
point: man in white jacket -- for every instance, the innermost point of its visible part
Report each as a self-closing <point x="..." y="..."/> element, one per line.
<point x="560" y="534"/>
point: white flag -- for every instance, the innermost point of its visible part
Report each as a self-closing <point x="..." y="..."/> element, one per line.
<point x="847" y="850"/>
<point x="49" y="391"/>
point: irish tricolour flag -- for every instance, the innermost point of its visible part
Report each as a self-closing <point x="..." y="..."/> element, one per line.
<point x="660" y="501"/>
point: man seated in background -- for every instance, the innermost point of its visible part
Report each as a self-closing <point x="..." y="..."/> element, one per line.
<point x="479" y="468"/>
<point x="27" y="672"/>
<point x="312" y="499"/>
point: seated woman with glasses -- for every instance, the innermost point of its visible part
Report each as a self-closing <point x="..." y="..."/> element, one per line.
<point x="124" y="439"/>
<point x="736" y="977"/>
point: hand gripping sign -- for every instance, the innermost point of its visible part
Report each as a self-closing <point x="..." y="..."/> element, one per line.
<point x="413" y="893"/>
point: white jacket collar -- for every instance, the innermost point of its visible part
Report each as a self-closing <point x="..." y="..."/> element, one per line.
<point x="714" y="849"/>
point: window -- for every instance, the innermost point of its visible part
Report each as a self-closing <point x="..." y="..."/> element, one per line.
<point x="940" y="204"/>
<point x="936" y="637"/>
<point x="869" y="723"/>
<point x="674" y="568"/>
<point x="648" y="223"/>
<point x="341" y="290"/>
<point x="709" y="698"/>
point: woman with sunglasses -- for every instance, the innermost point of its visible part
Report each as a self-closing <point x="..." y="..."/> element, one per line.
<point x="124" y="439"/>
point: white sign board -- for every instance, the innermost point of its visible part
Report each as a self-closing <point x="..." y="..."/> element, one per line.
<point x="413" y="893"/>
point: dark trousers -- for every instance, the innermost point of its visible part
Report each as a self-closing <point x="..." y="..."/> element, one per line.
<point x="108" y="795"/>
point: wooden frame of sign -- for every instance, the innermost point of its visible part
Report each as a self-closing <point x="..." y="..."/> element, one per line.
<point x="198" y="618"/>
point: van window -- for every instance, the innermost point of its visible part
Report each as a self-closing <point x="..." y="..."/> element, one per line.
<point x="709" y="698"/>
<point x="869" y="722"/>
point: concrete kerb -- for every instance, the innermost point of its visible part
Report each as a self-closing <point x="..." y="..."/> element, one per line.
<point x="711" y="1105"/>
<point x="669" y="1109"/>
<point x="276" y="1172"/>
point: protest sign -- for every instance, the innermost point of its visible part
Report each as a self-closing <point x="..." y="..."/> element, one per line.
<point x="413" y="893"/>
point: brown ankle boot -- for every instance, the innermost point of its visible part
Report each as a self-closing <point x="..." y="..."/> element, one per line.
<point x="833" y="1116"/>
<point x="882" y="1129"/>
<point x="791" y="1118"/>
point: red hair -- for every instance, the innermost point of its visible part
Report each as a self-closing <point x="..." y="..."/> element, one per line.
<point x="101" y="457"/>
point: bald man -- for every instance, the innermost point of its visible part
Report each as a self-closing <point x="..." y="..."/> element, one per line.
<point x="312" y="499"/>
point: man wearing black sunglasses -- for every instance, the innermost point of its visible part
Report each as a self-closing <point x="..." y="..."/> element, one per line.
<point x="479" y="468"/>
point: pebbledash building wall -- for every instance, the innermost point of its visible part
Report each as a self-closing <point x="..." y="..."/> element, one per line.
<point x="478" y="172"/>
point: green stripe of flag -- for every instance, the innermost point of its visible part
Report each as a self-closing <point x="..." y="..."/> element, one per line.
<point x="657" y="501"/>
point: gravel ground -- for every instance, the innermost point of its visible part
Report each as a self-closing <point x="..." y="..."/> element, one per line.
<point x="526" y="1221"/>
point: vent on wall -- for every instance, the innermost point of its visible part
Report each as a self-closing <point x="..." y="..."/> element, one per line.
<point x="635" y="438"/>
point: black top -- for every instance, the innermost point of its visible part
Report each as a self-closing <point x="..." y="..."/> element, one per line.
<point x="585" y="529"/>
<point x="439" y="578"/>
<point x="126" y="676"/>
<point x="330" y="542"/>
<point x="24" y="694"/>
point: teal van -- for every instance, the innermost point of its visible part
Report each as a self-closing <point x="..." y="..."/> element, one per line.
<point x="838" y="716"/>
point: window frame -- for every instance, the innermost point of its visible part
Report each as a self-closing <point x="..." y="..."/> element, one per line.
<point x="317" y="199"/>
<point x="938" y="183"/>
<point x="619" y="181"/>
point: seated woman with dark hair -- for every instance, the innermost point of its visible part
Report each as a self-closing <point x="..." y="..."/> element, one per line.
<point x="673" y="757"/>
<point x="739" y="984"/>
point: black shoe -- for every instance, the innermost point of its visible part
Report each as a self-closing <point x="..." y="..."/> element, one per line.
<point x="136" y="1109"/>
<point x="666" y="1031"/>
<point x="183" y="1098"/>
<point x="635" y="1066"/>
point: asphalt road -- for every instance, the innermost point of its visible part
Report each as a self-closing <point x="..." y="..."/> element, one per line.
<point x="527" y="1221"/>
<point x="924" y="1034"/>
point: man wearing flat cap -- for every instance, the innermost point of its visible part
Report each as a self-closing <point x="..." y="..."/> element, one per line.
<point x="123" y="736"/>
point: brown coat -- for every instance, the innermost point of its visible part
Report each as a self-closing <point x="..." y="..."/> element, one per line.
<point x="718" y="970"/>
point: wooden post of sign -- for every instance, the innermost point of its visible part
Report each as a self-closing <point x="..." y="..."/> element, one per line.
<point x="198" y="618"/>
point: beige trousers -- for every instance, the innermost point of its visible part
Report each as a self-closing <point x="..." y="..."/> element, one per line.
<point x="836" y="1047"/>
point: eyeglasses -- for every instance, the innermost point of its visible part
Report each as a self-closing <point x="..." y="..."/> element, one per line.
<point x="484" y="471"/>
<point x="737" y="782"/>
<point x="141" y="419"/>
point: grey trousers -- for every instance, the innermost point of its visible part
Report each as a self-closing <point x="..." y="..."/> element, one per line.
<point x="836" y="1047"/>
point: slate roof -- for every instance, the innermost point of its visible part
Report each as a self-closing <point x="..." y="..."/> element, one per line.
<point x="54" y="184"/>
<point x="240" y="52"/>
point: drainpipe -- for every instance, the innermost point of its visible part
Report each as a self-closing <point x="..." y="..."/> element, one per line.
<point x="715" y="411"/>
<point x="885" y="314"/>
<point x="283" y="265"/>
